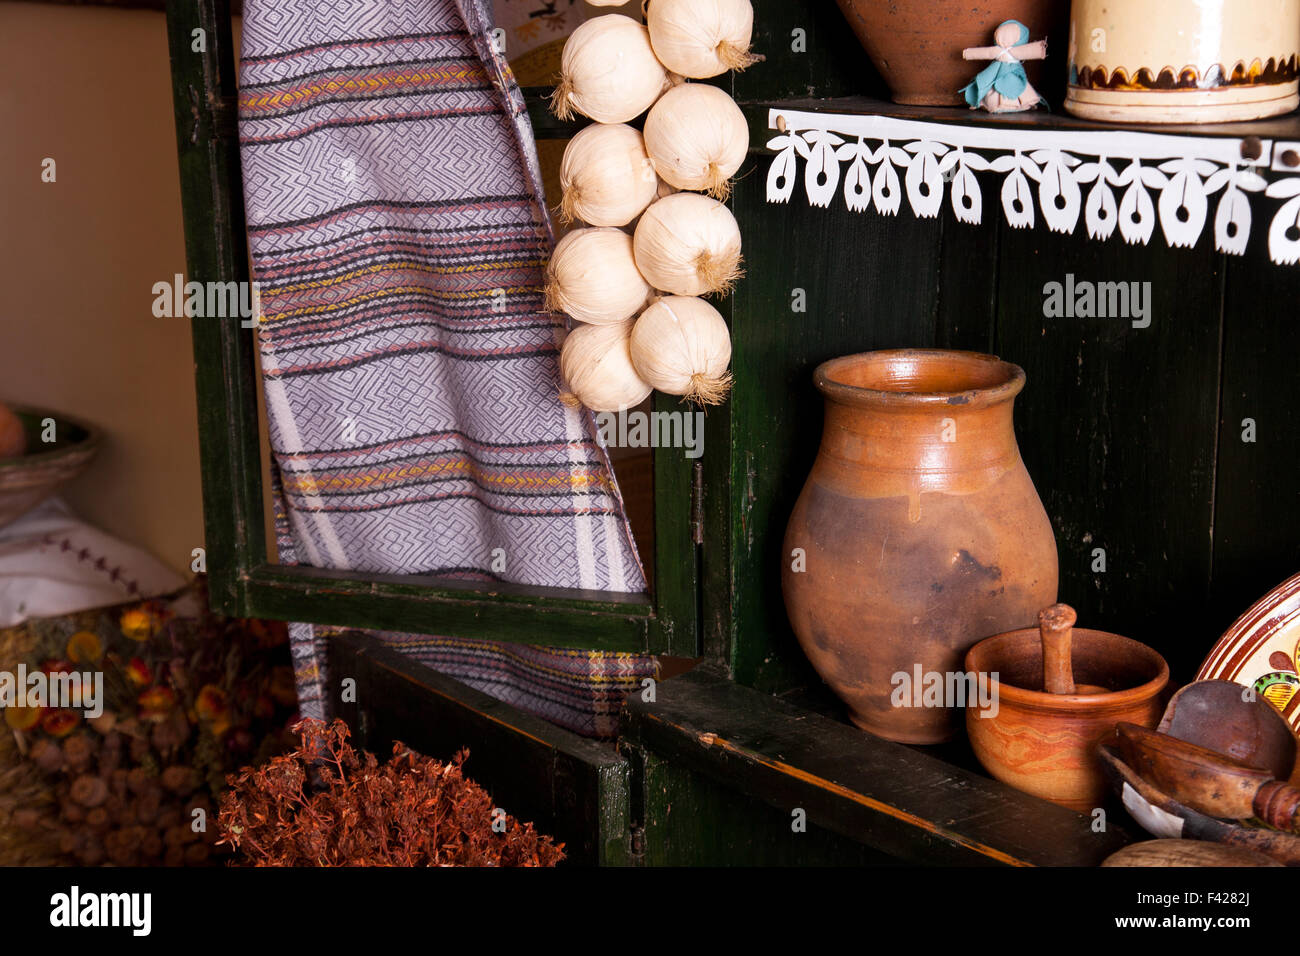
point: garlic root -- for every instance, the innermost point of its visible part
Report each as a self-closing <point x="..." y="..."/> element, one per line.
<point x="718" y="273"/>
<point x="717" y="183"/>
<point x="736" y="57"/>
<point x="561" y="99"/>
<point x="708" y="389"/>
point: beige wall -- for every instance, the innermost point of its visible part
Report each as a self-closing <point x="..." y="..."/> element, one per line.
<point x="90" y="88"/>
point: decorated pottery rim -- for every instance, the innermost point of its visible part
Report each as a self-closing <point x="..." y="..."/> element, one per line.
<point x="1039" y="700"/>
<point x="1256" y="626"/>
<point x="1275" y="71"/>
<point x="1276" y="613"/>
<point x="992" y="380"/>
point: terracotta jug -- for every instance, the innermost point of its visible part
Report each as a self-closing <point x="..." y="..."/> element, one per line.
<point x="916" y="44"/>
<point x="919" y="530"/>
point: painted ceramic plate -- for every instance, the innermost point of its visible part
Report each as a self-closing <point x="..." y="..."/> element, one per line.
<point x="1262" y="650"/>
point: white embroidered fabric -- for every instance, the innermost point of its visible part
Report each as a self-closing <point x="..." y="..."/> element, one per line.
<point x="52" y="562"/>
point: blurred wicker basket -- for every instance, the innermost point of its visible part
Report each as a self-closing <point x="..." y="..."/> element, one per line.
<point x="28" y="479"/>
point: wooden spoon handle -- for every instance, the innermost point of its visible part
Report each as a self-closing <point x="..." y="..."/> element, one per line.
<point x="1278" y="805"/>
<point x="1055" y="627"/>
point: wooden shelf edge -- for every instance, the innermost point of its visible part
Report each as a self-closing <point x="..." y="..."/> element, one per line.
<point x="1286" y="127"/>
<point x="431" y="589"/>
<point x="349" y="601"/>
<point x="885" y="795"/>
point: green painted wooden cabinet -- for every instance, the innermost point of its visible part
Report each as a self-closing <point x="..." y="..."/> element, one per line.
<point x="1133" y="438"/>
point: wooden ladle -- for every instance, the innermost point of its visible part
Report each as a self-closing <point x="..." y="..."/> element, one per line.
<point x="1231" y="720"/>
<point x="1207" y="781"/>
<point x="1056" y="630"/>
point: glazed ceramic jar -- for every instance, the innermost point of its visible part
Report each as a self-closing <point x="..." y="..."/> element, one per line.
<point x="1183" y="61"/>
<point x="917" y="533"/>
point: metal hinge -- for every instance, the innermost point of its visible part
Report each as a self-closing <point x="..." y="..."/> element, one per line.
<point x="637" y="845"/>
<point x="697" y="503"/>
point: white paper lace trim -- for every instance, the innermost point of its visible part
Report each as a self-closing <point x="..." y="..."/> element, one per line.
<point x="873" y="161"/>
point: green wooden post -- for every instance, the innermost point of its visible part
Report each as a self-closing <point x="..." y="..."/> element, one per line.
<point x="204" y="88"/>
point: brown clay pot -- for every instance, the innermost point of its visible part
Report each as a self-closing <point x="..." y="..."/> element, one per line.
<point x="920" y="530"/>
<point x="1045" y="743"/>
<point x="916" y="44"/>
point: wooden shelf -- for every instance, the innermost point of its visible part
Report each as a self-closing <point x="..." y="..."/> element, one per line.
<point x="1285" y="127"/>
<point x="885" y="796"/>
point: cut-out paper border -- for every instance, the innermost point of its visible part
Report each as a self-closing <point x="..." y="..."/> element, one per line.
<point x="1111" y="179"/>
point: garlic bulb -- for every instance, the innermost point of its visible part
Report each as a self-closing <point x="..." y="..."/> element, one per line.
<point x="688" y="244"/>
<point x="596" y="363"/>
<point x="608" y="71"/>
<point x="593" y="277"/>
<point x="701" y="38"/>
<point x="697" y="138"/>
<point x="606" y="176"/>
<point x="681" y="346"/>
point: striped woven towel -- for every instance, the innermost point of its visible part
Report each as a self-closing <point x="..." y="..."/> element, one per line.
<point x="398" y="233"/>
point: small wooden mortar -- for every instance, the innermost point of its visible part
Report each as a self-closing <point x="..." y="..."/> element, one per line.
<point x="1058" y="692"/>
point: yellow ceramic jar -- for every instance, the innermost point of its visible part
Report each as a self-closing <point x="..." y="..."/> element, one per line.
<point x="1183" y="61"/>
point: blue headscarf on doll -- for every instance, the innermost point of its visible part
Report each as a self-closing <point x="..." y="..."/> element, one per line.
<point x="1009" y="79"/>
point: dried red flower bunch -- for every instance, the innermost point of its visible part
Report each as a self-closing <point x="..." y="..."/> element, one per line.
<point x="323" y="804"/>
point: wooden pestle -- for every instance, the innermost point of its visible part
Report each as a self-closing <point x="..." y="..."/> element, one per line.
<point x="1056" y="631"/>
<point x="1055" y="628"/>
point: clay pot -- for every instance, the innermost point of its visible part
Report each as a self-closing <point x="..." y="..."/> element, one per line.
<point x="1046" y="743"/>
<point x="1183" y="61"/>
<point x="919" y="531"/>
<point x="916" y="44"/>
